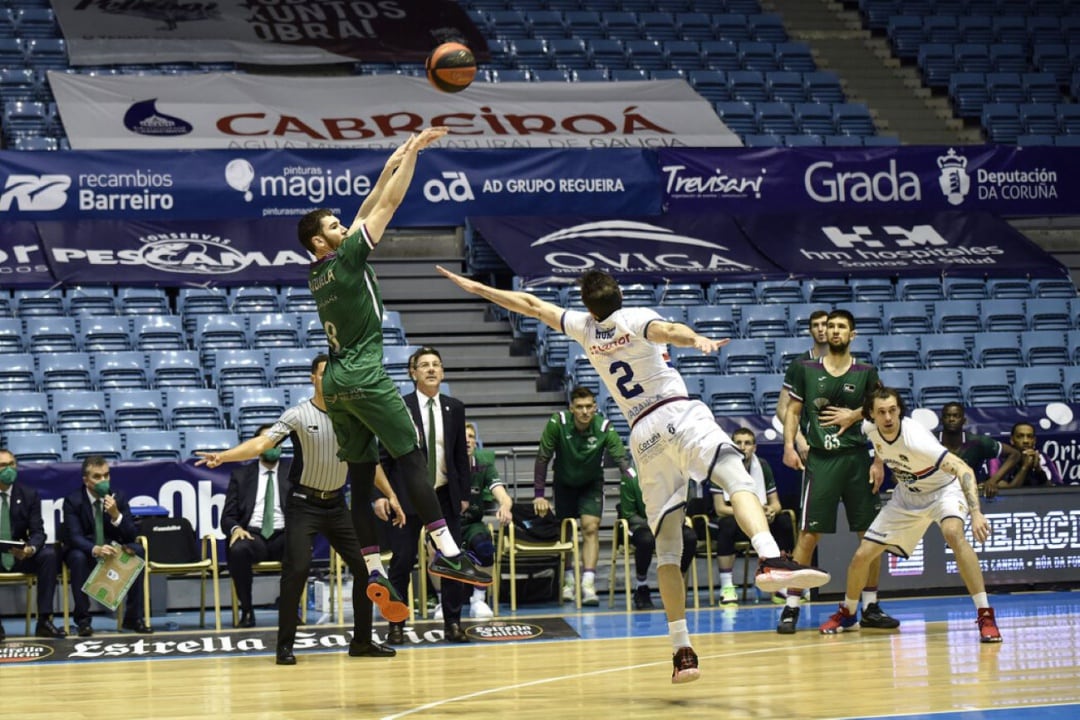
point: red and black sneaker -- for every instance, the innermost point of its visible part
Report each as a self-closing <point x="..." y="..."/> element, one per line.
<point x="686" y="669"/>
<point x="782" y="572"/>
<point x="988" y="629"/>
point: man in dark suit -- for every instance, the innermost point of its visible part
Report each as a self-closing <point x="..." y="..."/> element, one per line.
<point x="20" y="520"/>
<point x="94" y="518"/>
<point x="255" y="492"/>
<point x="440" y="423"/>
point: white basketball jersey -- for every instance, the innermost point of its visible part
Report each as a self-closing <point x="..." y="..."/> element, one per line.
<point x="914" y="456"/>
<point x="635" y="370"/>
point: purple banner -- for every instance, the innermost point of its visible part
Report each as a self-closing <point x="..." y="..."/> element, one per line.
<point x="889" y="242"/>
<point x="688" y="248"/>
<point x="22" y="262"/>
<point x="167" y="253"/>
<point x="1004" y="180"/>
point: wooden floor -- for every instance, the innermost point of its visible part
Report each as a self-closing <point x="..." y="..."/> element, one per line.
<point x="620" y="668"/>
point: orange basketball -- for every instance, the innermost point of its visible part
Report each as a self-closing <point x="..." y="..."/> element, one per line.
<point x="451" y="67"/>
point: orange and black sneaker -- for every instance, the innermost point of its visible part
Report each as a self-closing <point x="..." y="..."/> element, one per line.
<point x="988" y="629"/>
<point x="686" y="669"/>
<point x="385" y="597"/>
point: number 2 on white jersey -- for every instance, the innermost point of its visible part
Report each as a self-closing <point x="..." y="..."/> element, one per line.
<point x="625" y="382"/>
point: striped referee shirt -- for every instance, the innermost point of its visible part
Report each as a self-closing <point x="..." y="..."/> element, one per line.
<point x="314" y="444"/>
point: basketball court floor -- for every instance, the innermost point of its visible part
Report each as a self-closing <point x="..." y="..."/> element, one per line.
<point x="549" y="662"/>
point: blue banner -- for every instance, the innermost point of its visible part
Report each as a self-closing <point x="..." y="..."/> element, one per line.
<point x="245" y="184"/>
<point x="689" y="248"/>
<point x="22" y="260"/>
<point x="1004" y="180"/>
<point x="888" y="242"/>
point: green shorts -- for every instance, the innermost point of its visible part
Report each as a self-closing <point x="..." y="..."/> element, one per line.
<point x="573" y="501"/>
<point x="364" y="404"/>
<point x="832" y="477"/>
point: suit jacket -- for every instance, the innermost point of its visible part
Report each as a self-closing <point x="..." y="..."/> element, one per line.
<point x="243" y="490"/>
<point x="454" y="448"/>
<point x="79" y="522"/>
<point x="24" y="512"/>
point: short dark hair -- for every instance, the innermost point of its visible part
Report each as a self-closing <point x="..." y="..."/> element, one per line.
<point x="815" y="315"/>
<point x="744" y="431"/>
<point x="309" y="226"/>
<point x="1019" y="424"/>
<point x="320" y="358"/>
<point x="423" y="350"/>
<point x="600" y="293"/>
<point x="92" y="461"/>
<point x="882" y="393"/>
<point x="581" y="392"/>
<point x="845" y="314"/>
<point x="954" y="404"/>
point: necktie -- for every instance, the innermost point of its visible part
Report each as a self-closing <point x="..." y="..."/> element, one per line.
<point x="432" y="456"/>
<point x="99" y="524"/>
<point x="268" y="507"/>
<point x="7" y="559"/>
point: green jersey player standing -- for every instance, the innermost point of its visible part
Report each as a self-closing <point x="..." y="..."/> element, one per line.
<point x="362" y="401"/>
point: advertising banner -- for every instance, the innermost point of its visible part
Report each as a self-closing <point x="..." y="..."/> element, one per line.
<point x="688" y="248"/>
<point x="267" y="32"/>
<point x="1003" y="180"/>
<point x="22" y="261"/>
<point x="237" y="111"/>
<point x="888" y="242"/>
<point x="245" y="184"/>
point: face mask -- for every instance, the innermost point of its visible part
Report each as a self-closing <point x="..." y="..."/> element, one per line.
<point x="7" y="475"/>
<point x="271" y="455"/>
<point x="102" y="488"/>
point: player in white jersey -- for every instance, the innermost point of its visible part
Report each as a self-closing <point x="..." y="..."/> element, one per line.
<point x="932" y="485"/>
<point x="673" y="439"/>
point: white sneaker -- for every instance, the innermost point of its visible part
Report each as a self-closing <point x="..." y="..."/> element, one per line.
<point x="480" y="610"/>
<point x="568" y="593"/>
<point x="728" y="595"/>
<point x="589" y="596"/>
<point x="438" y="612"/>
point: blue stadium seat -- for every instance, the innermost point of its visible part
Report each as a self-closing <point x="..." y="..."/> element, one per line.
<point x="120" y="369"/>
<point x="1008" y="57"/>
<point x="787" y="349"/>
<point x="46" y="334"/>
<point x="396" y="360"/>
<point x="688" y="294"/>
<point x="587" y="24"/>
<point x="159" y="332"/>
<point x="732" y="293"/>
<point x="28" y="303"/>
<point x="1015" y="288"/>
<point x="153" y="445"/>
<point x="785" y="86"/>
<point x="828" y="290"/>
<point x="1053" y="287"/>
<point x="290" y="366"/>
<point x="730" y="394"/>
<point x="781" y="291"/>
<point x="646" y="54"/>
<point x="1039" y="385"/>
<point x="901" y="381"/>
<point x="79" y="445"/>
<point x="639" y="295"/>
<point x="1071" y="376"/>
<point x="579" y="371"/>
<point x="746" y="355"/>
<point x="91" y="300"/>
<point x="987" y="387"/>
<point x="738" y="115"/>
<point x="608" y="53"/>
<point x="969" y="93"/>
<point x="796" y="57"/>
<point x="105" y="333"/>
<point x="721" y="54"/>
<point x="691" y="361"/>
<point x="907" y="317"/>
<point x="897" y="352"/>
<point x="768" y="27"/>
<point x="694" y="25"/>
<point x="18" y="371"/>
<point x="872" y="289"/>
<point x="238" y="368"/>
<point x="919" y="288"/>
<point x="965" y="288"/>
<point x="683" y="54"/>
<point x="79" y="410"/>
<point x="208" y="439"/>
<point x="509" y="24"/>
<point x="1001" y="121"/>
<point x="815" y="118"/>
<point x="1004" y="314"/>
<point x="853" y="119"/>
<point x="191" y="302"/>
<point x="658" y="25"/>
<point x="996" y="349"/>
<point x="762" y="140"/>
<point x="764" y="321"/>
<point x="193" y="407"/>
<point x="254" y="299"/>
<point x="273" y="330"/>
<point x="776" y="118"/>
<point x="758" y="56"/>
<point x="972" y="57"/>
<point x="1039" y="118"/>
<point x="710" y="84"/>
<point x="297" y="299"/>
<point x="976" y="28"/>
<point x="1049" y="313"/>
<point x="905" y="33"/>
<point x="219" y="332"/>
<point x="934" y="388"/>
<point x="1055" y="59"/>
<point x="312" y="332"/>
<point x="35" y="446"/>
<point x="1040" y="87"/>
<point x="254" y="406"/>
<point x="136" y="409"/>
<point x="712" y="321"/>
<point x="1044" y="347"/>
<point x="941" y="29"/>
<point x="24" y="411"/>
<point x="823" y="86"/>
<point x="175" y="368"/>
<point x="959" y="316"/>
<point x="731" y="26"/>
<point x="142" y="301"/>
<point x="768" y="392"/>
<point x="65" y="371"/>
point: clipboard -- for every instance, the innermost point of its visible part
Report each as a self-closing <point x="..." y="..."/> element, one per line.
<point x="112" y="577"/>
<point x="9" y="545"/>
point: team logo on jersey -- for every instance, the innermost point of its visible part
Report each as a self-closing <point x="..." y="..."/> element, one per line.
<point x="849" y="388"/>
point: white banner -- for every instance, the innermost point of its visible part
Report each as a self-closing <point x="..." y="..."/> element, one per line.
<point x="236" y="111"/>
<point x="265" y="32"/>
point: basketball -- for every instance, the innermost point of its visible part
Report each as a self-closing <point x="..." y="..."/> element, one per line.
<point x="451" y="67"/>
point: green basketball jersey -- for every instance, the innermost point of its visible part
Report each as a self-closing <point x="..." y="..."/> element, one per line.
<point x="812" y="384"/>
<point x="350" y="305"/>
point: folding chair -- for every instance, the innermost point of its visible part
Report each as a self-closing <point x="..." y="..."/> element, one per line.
<point x="512" y="548"/>
<point x="171" y="548"/>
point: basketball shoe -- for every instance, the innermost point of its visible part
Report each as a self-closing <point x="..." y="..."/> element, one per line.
<point x="460" y="568"/>
<point x="789" y="619"/>
<point x="686" y="669"/>
<point x="728" y="595"/>
<point x="840" y="621"/>
<point x="385" y="597"/>
<point x="988" y="629"/>
<point x="783" y="572"/>
<point x="874" y="617"/>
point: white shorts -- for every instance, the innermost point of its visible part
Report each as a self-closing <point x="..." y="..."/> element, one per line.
<point x="903" y="520"/>
<point x="677" y="443"/>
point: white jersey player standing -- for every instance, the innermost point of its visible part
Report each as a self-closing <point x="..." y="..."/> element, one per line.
<point x="673" y="439"/>
<point x="932" y="485"/>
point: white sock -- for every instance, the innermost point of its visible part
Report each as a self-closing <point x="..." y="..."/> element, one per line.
<point x="727" y="577"/>
<point x="445" y="541"/>
<point x="765" y="545"/>
<point x="588" y="578"/>
<point x="680" y="636"/>
<point x="792" y="601"/>
<point x="479" y="594"/>
<point x="643" y="582"/>
<point x="373" y="563"/>
<point x="869" y="596"/>
<point x="981" y="600"/>
<point x="568" y="581"/>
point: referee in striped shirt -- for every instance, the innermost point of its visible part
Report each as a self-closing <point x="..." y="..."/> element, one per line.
<point x="316" y="504"/>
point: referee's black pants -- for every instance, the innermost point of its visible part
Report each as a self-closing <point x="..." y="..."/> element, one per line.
<point x="306" y="516"/>
<point x="404" y="542"/>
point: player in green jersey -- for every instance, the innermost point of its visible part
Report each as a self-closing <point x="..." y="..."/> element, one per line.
<point x="975" y="449"/>
<point x="361" y="399"/>
<point x="831" y="389"/>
